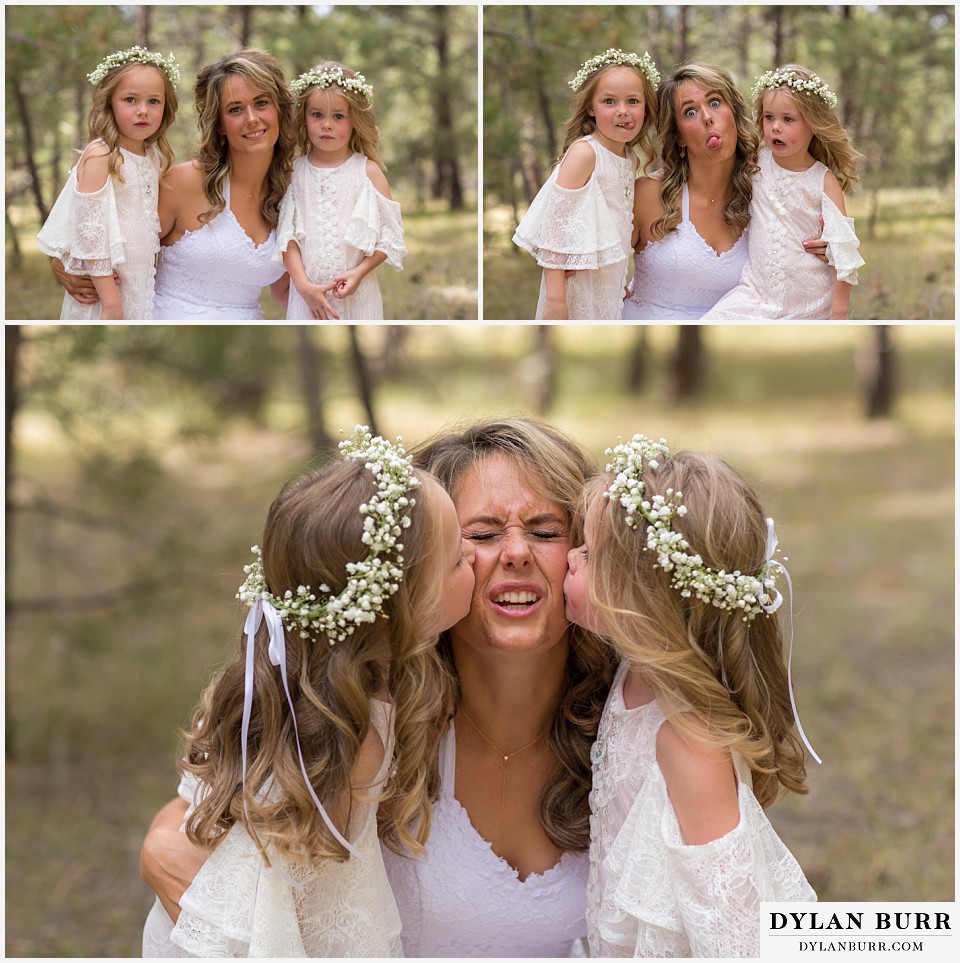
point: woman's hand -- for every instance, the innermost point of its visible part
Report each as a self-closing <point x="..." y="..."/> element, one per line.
<point x="78" y="286"/>
<point x="817" y="246"/>
<point x="169" y="862"/>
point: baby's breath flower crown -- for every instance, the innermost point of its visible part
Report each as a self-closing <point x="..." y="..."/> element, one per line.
<point x="371" y="581"/>
<point x="616" y="56"/>
<point x="787" y="78"/>
<point x="136" y="55"/>
<point x="726" y="590"/>
<point x="326" y="78"/>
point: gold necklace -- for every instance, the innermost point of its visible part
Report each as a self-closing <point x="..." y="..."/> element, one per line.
<point x="507" y="756"/>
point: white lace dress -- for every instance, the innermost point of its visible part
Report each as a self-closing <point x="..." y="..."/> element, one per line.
<point x="680" y="276"/>
<point x="215" y="273"/>
<point x="115" y="228"/>
<point x="586" y="230"/>
<point x="337" y="217"/>
<point x="781" y="281"/>
<point x="463" y="900"/>
<point x="649" y="894"/>
<point x="237" y="906"/>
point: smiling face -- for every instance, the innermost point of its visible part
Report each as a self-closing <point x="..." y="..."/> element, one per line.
<point x="521" y="540"/>
<point x="137" y="105"/>
<point x="706" y="124"/>
<point x="328" y="125"/>
<point x="249" y="118"/>
<point x="617" y="107"/>
<point x="785" y="131"/>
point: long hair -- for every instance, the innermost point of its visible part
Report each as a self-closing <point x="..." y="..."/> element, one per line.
<point x="579" y="123"/>
<point x="262" y="71"/>
<point x="313" y="531"/>
<point x="831" y="144"/>
<point x="365" y="136"/>
<point x="101" y="122"/>
<point x="731" y="674"/>
<point x="676" y="169"/>
<point x="556" y="467"/>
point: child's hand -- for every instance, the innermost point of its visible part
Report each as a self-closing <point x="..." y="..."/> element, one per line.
<point x="817" y="246"/>
<point x="555" y="310"/>
<point x="315" y="296"/>
<point x="347" y="283"/>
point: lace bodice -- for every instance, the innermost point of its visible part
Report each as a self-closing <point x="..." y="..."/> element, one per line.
<point x="237" y="906"/>
<point x="215" y="273"/>
<point x="586" y="230"/>
<point x="649" y="893"/>
<point x="463" y="900"/>
<point x="115" y="228"/>
<point x="781" y="281"/>
<point x="337" y="218"/>
<point x="680" y="276"/>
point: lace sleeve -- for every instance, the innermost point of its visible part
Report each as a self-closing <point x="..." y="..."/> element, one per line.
<point x="842" y="241"/>
<point x="375" y="225"/>
<point x="570" y="229"/>
<point x="83" y="230"/>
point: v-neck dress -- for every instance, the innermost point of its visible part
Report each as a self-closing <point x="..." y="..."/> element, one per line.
<point x="216" y="273"/>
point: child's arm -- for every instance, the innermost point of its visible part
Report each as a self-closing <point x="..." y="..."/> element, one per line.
<point x="169" y="862"/>
<point x="92" y="173"/>
<point x="315" y="295"/>
<point x="841" y="289"/>
<point x="701" y="784"/>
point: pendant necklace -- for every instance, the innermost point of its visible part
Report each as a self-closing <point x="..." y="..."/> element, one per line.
<point x="507" y="756"/>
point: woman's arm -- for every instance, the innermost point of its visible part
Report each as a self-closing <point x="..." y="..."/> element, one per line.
<point x="168" y="860"/>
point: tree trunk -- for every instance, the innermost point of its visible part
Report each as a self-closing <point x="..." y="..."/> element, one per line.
<point x="542" y="99"/>
<point x="143" y="26"/>
<point x="24" y="111"/>
<point x="877" y="372"/>
<point x="682" y="43"/>
<point x="447" y="181"/>
<point x="361" y="370"/>
<point x="543" y="369"/>
<point x="246" y="25"/>
<point x="311" y="383"/>
<point x="11" y="333"/>
<point x="637" y="360"/>
<point x="687" y="363"/>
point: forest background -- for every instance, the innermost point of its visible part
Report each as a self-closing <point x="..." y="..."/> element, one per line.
<point x="141" y="461"/>
<point x="420" y="59"/>
<point x="891" y="66"/>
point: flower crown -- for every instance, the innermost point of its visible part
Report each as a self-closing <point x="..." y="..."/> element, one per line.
<point x="788" y="78"/>
<point x="136" y="55"/>
<point x="336" y="76"/>
<point x="373" y="580"/>
<point x="616" y="56"/>
<point x="689" y="573"/>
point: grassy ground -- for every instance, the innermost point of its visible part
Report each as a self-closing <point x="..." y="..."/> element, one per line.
<point x="909" y="271"/>
<point x="864" y="509"/>
<point x="438" y="281"/>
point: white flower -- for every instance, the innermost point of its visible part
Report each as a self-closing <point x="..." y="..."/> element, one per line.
<point x="614" y="55"/>
<point x="136" y="55"/>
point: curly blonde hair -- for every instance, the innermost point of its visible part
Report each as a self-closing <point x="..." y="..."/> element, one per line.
<point x="556" y="467"/>
<point x="263" y="72"/>
<point x="701" y="660"/>
<point x="313" y="531"/>
<point x="102" y="124"/>
<point x="579" y="123"/>
<point x="831" y="144"/>
<point x="365" y="136"/>
<point x="676" y="169"/>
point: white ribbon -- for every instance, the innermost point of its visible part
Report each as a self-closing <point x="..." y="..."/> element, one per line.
<point x="772" y="607"/>
<point x="262" y="610"/>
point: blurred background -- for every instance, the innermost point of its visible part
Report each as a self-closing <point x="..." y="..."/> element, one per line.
<point x="891" y="66"/>
<point x="141" y="461"/>
<point x="420" y="59"/>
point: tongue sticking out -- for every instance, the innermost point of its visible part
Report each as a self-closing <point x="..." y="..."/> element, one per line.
<point x="713" y="141"/>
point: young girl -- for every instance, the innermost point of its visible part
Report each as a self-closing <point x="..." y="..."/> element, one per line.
<point x="333" y="701"/>
<point x="105" y="219"/>
<point x="805" y="168"/>
<point x="582" y="218"/>
<point x="337" y="221"/>
<point x="698" y="731"/>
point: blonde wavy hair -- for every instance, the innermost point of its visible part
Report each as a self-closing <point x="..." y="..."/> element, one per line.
<point x="101" y="122"/>
<point x="700" y="660"/>
<point x="365" y="136"/>
<point x="555" y="467"/>
<point x="579" y="123"/>
<point x="263" y="72"/>
<point x="313" y="531"/>
<point x="831" y="144"/>
<point x="676" y="169"/>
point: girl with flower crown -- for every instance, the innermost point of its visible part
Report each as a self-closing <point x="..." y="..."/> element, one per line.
<point x="104" y="224"/>
<point x="582" y="218"/>
<point x="806" y="165"/>
<point x="338" y="221"/>
<point x="333" y="701"/>
<point x="699" y="732"/>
